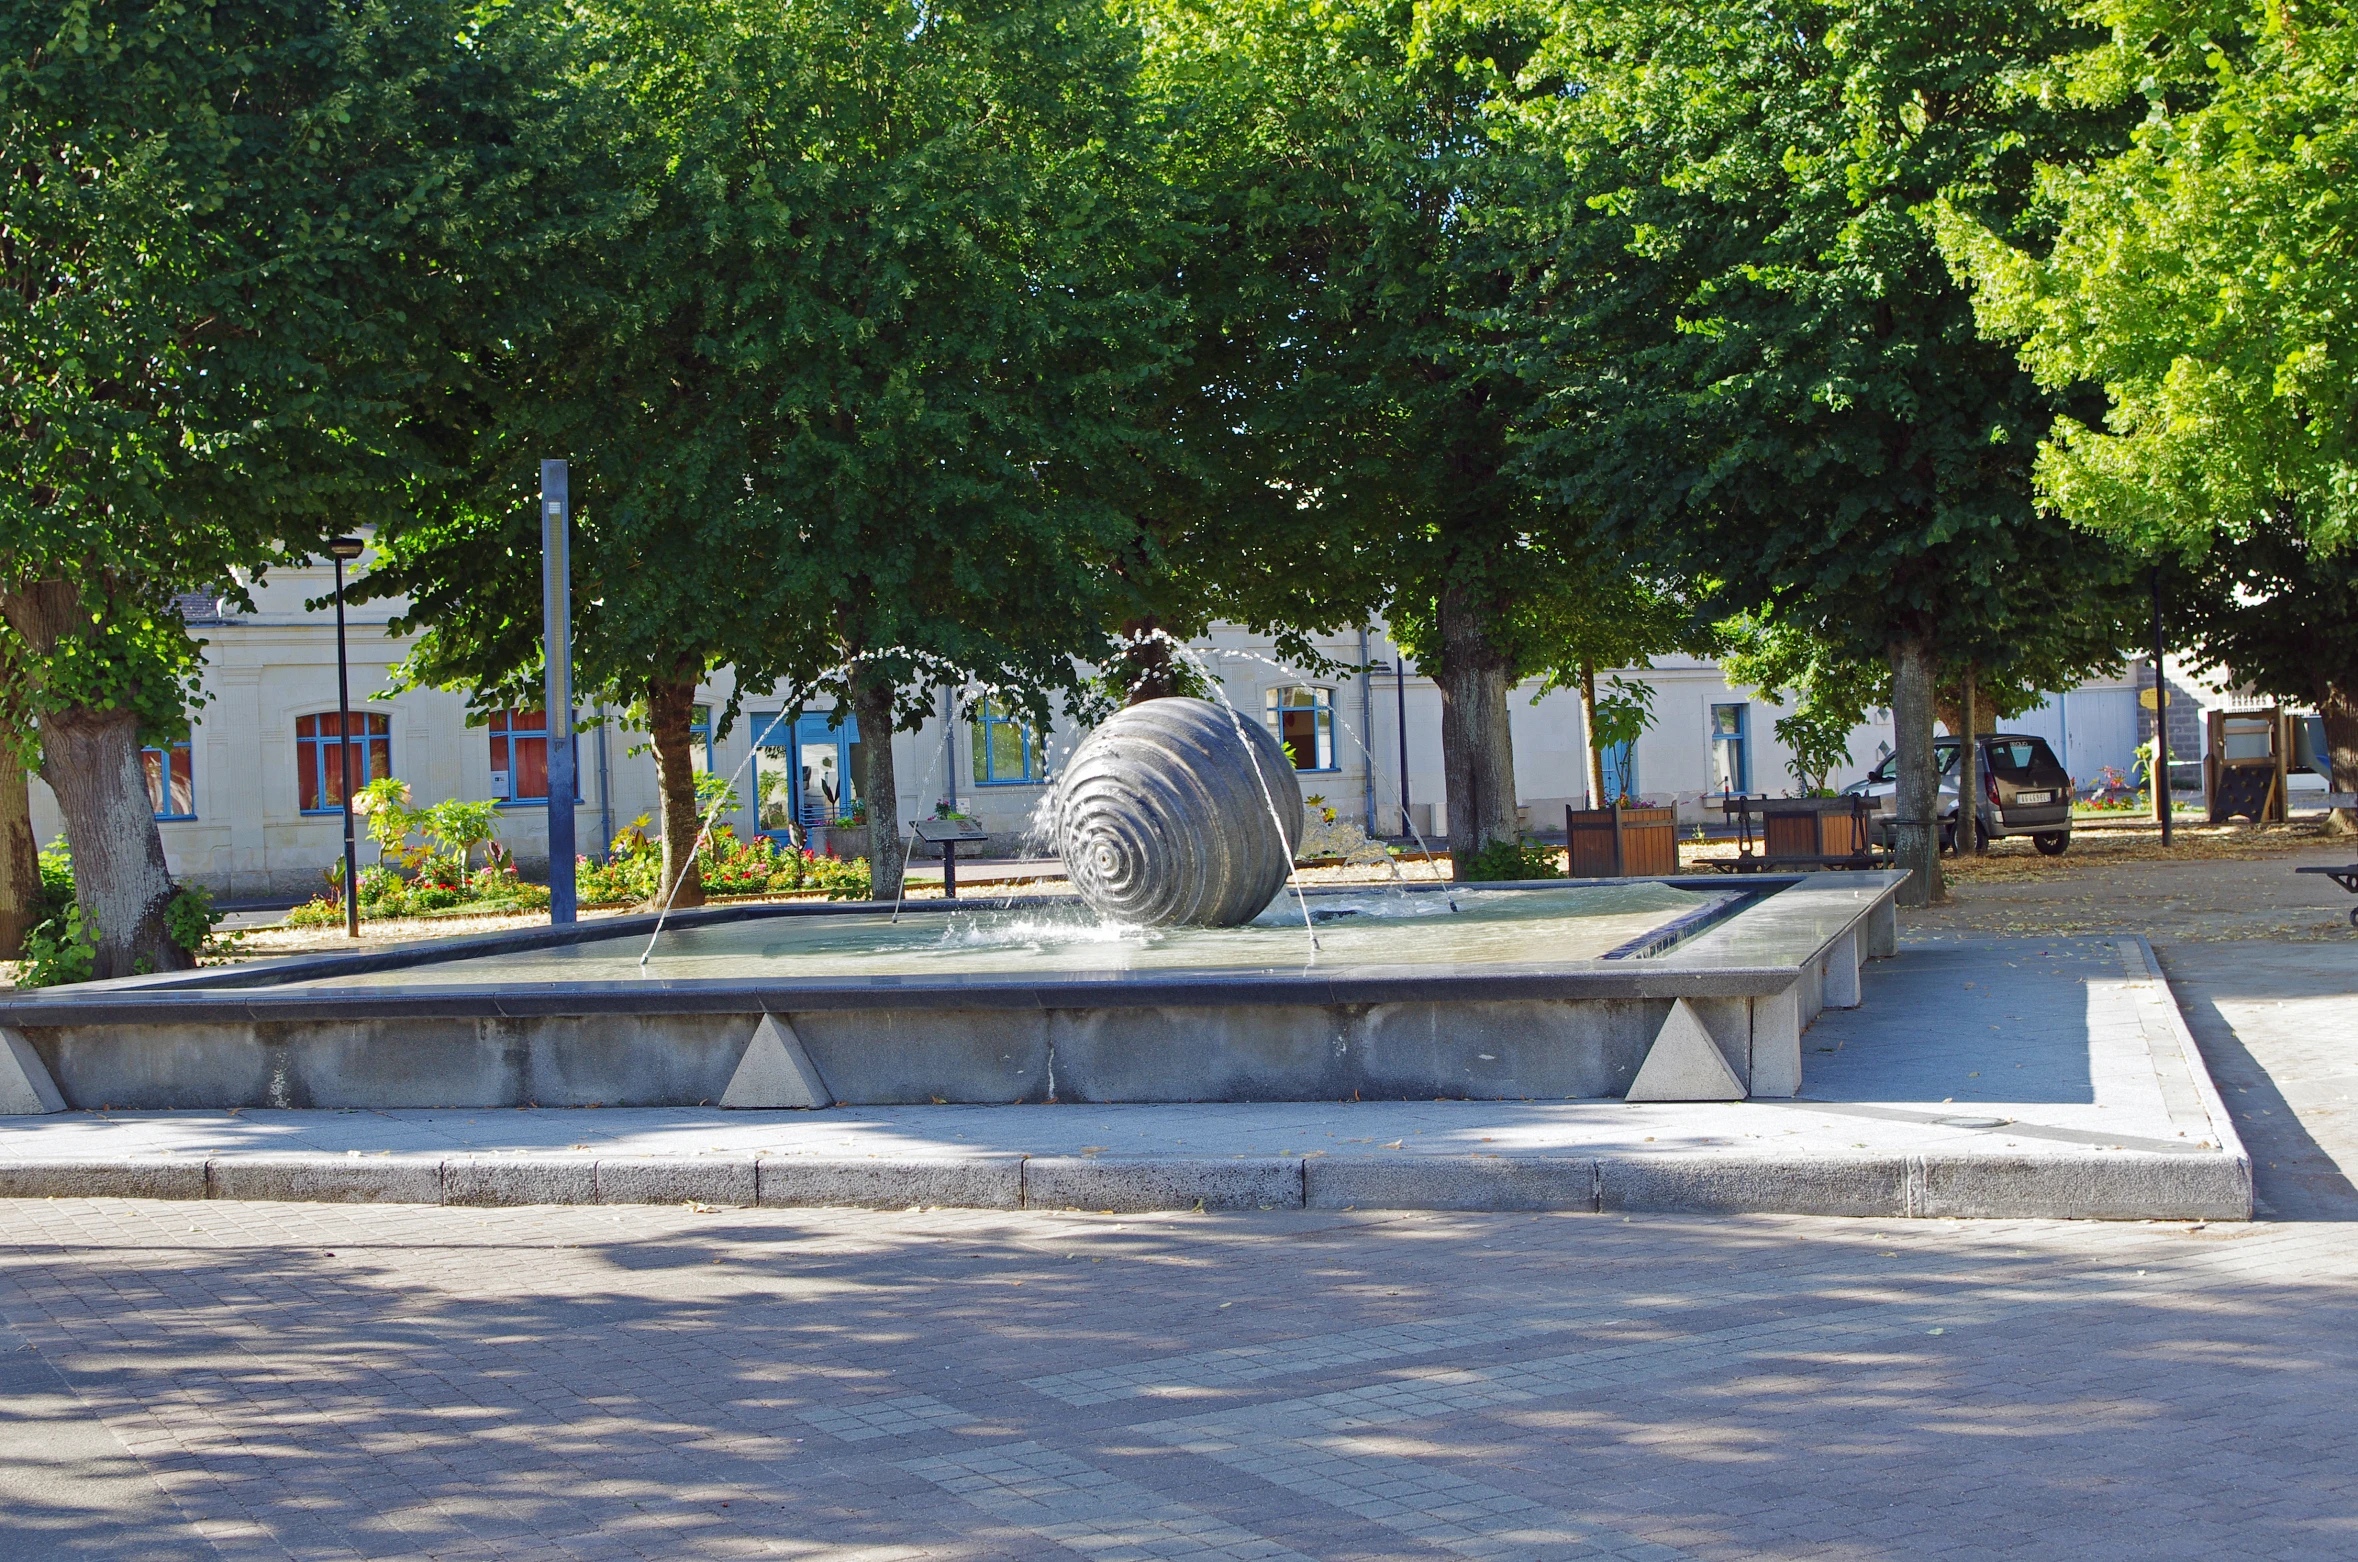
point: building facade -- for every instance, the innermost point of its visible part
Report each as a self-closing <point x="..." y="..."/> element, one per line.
<point x="251" y="805"/>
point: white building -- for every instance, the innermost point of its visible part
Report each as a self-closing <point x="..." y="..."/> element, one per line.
<point x="250" y="806"/>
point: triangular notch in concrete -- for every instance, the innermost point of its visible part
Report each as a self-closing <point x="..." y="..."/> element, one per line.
<point x="26" y="1090"/>
<point x="1685" y="1064"/>
<point x="775" y="1071"/>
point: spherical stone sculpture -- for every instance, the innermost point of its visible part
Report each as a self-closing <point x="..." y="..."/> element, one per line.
<point x="1161" y="819"/>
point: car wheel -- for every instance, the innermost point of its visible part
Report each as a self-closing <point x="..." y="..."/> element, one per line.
<point x="2052" y="843"/>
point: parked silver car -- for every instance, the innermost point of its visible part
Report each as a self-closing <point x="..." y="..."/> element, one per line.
<point x="2024" y="791"/>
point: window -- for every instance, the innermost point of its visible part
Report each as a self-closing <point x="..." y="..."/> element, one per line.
<point x="1943" y="749"/>
<point x="1303" y="718"/>
<point x="1005" y="751"/>
<point x="2023" y="760"/>
<point x="805" y="773"/>
<point x="700" y="737"/>
<point x="171" y="780"/>
<point x="319" y="768"/>
<point x="520" y="755"/>
<point x="1731" y="765"/>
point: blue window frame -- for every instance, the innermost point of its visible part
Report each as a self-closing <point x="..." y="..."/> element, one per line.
<point x="700" y="735"/>
<point x="171" y="780"/>
<point x="1303" y="717"/>
<point x="1621" y="776"/>
<point x="1006" y="751"/>
<point x="520" y="757"/>
<point x="805" y="773"/>
<point x="1731" y="758"/>
<point x="319" y="770"/>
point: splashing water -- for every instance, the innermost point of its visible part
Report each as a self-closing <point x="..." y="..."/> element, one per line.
<point x="1449" y="892"/>
<point x="1293" y="871"/>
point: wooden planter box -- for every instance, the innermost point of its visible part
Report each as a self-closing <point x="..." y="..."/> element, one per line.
<point x="1621" y="842"/>
<point x="1801" y="831"/>
<point x="1812" y="834"/>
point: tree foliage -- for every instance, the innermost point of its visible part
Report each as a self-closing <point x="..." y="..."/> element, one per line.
<point x="216" y="299"/>
<point x="1758" y="367"/>
<point x="834" y="307"/>
<point x="2204" y="278"/>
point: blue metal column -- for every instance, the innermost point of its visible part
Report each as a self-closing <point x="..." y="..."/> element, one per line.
<point x="556" y="606"/>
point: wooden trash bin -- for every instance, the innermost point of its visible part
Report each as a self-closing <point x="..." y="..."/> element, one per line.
<point x="1620" y="842"/>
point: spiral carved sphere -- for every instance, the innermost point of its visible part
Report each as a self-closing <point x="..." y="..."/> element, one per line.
<point x="1161" y="819"/>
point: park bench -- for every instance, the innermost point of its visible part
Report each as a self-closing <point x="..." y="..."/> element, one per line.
<point x="1800" y="832"/>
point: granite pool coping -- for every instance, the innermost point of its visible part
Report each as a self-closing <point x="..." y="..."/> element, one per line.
<point x="2147" y="1138"/>
<point x="1784" y="925"/>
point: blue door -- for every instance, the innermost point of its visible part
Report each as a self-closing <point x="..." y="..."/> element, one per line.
<point x="1620" y="772"/>
<point x="806" y="773"/>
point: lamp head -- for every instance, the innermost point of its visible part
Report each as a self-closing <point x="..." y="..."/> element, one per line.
<point x="346" y="548"/>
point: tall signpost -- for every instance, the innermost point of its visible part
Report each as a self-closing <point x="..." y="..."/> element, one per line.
<point x="556" y="606"/>
<point x="2161" y="718"/>
<point x="344" y="550"/>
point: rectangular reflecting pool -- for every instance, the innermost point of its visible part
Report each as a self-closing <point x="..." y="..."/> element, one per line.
<point x="1384" y="927"/>
<point x="1542" y="990"/>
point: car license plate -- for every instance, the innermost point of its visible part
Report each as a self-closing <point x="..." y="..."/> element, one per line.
<point x="2027" y="798"/>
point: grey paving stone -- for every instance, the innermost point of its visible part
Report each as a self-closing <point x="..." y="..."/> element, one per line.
<point x="1694" y="1183"/>
<point x="325" y="1179"/>
<point x="178" y="1177"/>
<point x="1127" y="1185"/>
<point x="1451" y="1182"/>
<point x="976" y="1182"/>
<point x="501" y="1180"/>
<point x="676" y="1179"/>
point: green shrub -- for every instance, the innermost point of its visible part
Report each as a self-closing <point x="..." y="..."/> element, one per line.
<point x="1503" y="860"/>
<point x="189" y="918"/>
<point x="57" y="951"/>
<point x="321" y="912"/>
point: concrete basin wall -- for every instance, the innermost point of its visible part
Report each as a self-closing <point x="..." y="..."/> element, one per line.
<point x="1531" y="1049"/>
<point x="1582" y="1029"/>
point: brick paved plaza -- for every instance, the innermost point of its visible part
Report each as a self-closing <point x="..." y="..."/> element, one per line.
<point x="256" y="1380"/>
<point x="267" y="1380"/>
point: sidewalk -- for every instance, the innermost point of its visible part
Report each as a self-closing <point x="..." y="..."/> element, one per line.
<point x="1981" y="1077"/>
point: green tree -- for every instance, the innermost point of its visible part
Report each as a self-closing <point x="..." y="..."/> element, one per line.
<point x="833" y="306"/>
<point x="212" y="315"/>
<point x="2205" y="278"/>
<point x="1758" y="368"/>
<point x="2277" y="609"/>
<point x="1365" y="220"/>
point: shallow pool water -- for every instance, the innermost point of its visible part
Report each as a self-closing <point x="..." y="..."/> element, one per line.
<point x="1377" y="928"/>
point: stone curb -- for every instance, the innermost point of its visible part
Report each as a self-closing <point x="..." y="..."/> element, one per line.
<point x="2105" y="1185"/>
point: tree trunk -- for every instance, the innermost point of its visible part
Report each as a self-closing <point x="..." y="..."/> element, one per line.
<point x="2339" y="707"/>
<point x="1916" y="827"/>
<point x="1588" y="735"/>
<point x="90" y="758"/>
<point x="1477" y="745"/>
<point x="20" y="856"/>
<point x="872" y="703"/>
<point x="1149" y="669"/>
<point x="670" y="712"/>
<point x="1968" y="768"/>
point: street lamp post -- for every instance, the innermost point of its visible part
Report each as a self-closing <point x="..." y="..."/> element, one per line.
<point x="556" y="606"/>
<point x="344" y="550"/>
<point x="2161" y="718"/>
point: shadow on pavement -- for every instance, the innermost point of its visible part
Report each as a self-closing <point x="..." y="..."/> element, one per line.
<point x="2278" y="1027"/>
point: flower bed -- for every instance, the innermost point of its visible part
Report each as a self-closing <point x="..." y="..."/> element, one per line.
<point x="728" y="866"/>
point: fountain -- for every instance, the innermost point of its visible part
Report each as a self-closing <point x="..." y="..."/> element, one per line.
<point x="1172" y="812"/>
<point x="1181" y="972"/>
